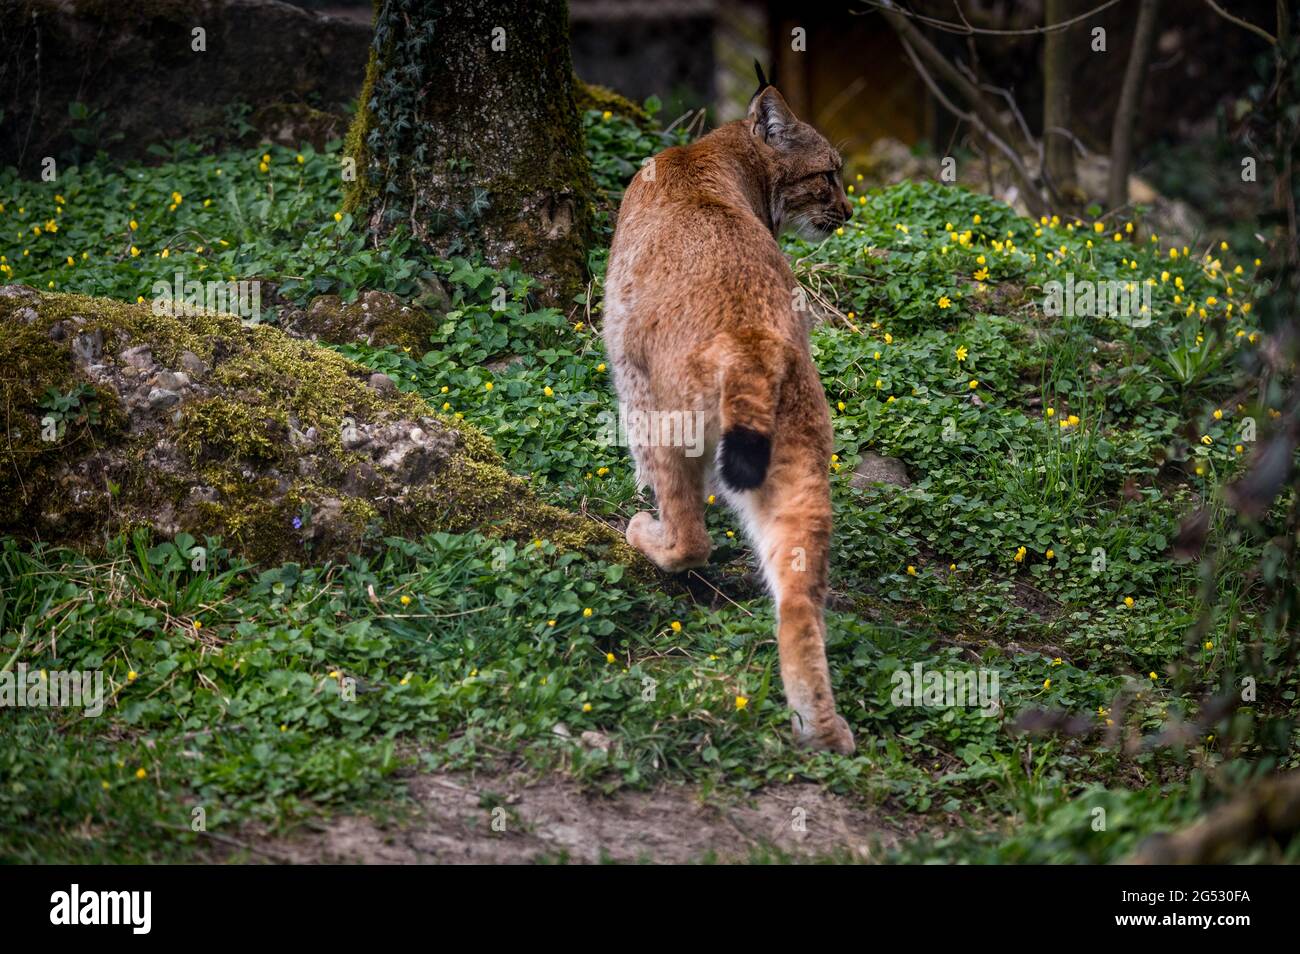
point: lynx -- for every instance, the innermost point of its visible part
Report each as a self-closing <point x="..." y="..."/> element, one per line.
<point x="702" y="317"/>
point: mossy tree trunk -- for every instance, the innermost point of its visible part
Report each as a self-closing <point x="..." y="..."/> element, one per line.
<point x="467" y="136"/>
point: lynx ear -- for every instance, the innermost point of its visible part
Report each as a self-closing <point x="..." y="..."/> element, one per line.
<point x="771" y="116"/>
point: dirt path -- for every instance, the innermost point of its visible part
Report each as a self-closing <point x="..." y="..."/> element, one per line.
<point x="505" y="819"/>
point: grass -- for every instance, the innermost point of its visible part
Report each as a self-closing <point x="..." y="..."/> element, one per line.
<point x="1052" y="460"/>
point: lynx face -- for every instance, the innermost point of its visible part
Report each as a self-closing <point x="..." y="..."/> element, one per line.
<point x="803" y="168"/>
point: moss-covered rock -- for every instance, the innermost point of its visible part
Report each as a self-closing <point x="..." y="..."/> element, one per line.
<point x="589" y="96"/>
<point x="377" y="318"/>
<point x="116" y="417"/>
<point x="291" y="124"/>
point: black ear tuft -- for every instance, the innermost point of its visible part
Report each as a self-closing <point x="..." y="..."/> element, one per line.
<point x="762" y="82"/>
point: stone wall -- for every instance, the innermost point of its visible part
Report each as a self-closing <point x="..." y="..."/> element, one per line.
<point x="135" y="69"/>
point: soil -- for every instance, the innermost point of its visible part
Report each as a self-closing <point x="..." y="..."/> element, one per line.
<point x="512" y="819"/>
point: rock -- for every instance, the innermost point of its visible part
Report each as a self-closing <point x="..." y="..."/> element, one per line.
<point x="1176" y="222"/>
<point x="433" y="297"/>
<point x="377" y="318"/>
<point x="202" y="494"/>
<point x="141" y="357"/>
<point x="170" y="380"/>
<point x="329" y="521"/>
<point x="193" y="364"/>
<point x="877" y="469"/>
<point x="499" y="365"/>
<point x="291" y="124"/>
<point x="353" y="437"/>
<point x="87" y="348"/>
<point x="591" y="96"/>
<point x="272" y="425"/>
<point x="889" y="161"/>
<point x="362" y="480"/>
<point x="161" y="398"/>
<point x="592" y="739"/>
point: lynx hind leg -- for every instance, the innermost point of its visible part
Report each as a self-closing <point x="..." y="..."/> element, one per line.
<point x="790" y="521"/>
<point x="677" y="540"/>
<point x="634" y="394"/>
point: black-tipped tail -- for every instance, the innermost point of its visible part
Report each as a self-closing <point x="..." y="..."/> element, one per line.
<point x="744" y="457"/>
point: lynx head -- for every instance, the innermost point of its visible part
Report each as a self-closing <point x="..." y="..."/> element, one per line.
<point x="803" y="168"/>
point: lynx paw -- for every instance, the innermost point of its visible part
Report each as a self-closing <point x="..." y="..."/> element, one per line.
<point x="643" y="533"/>
<point x="832" y="736"/>
<point x="647" y="534"/>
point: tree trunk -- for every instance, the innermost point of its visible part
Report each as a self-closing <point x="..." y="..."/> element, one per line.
<point x="467" y="135"/>
<point x="1058" y="147"/>
<point x="1130" y="97"/>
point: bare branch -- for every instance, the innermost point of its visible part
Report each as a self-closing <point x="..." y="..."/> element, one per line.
<point x="965" y="29"/>
<point x="1004" y="94"/>
<point x="1079" y="147"/>
<point x="1258" y="31"/>
<point x="982" y="116"/>
<point x="1032" y="197"/>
